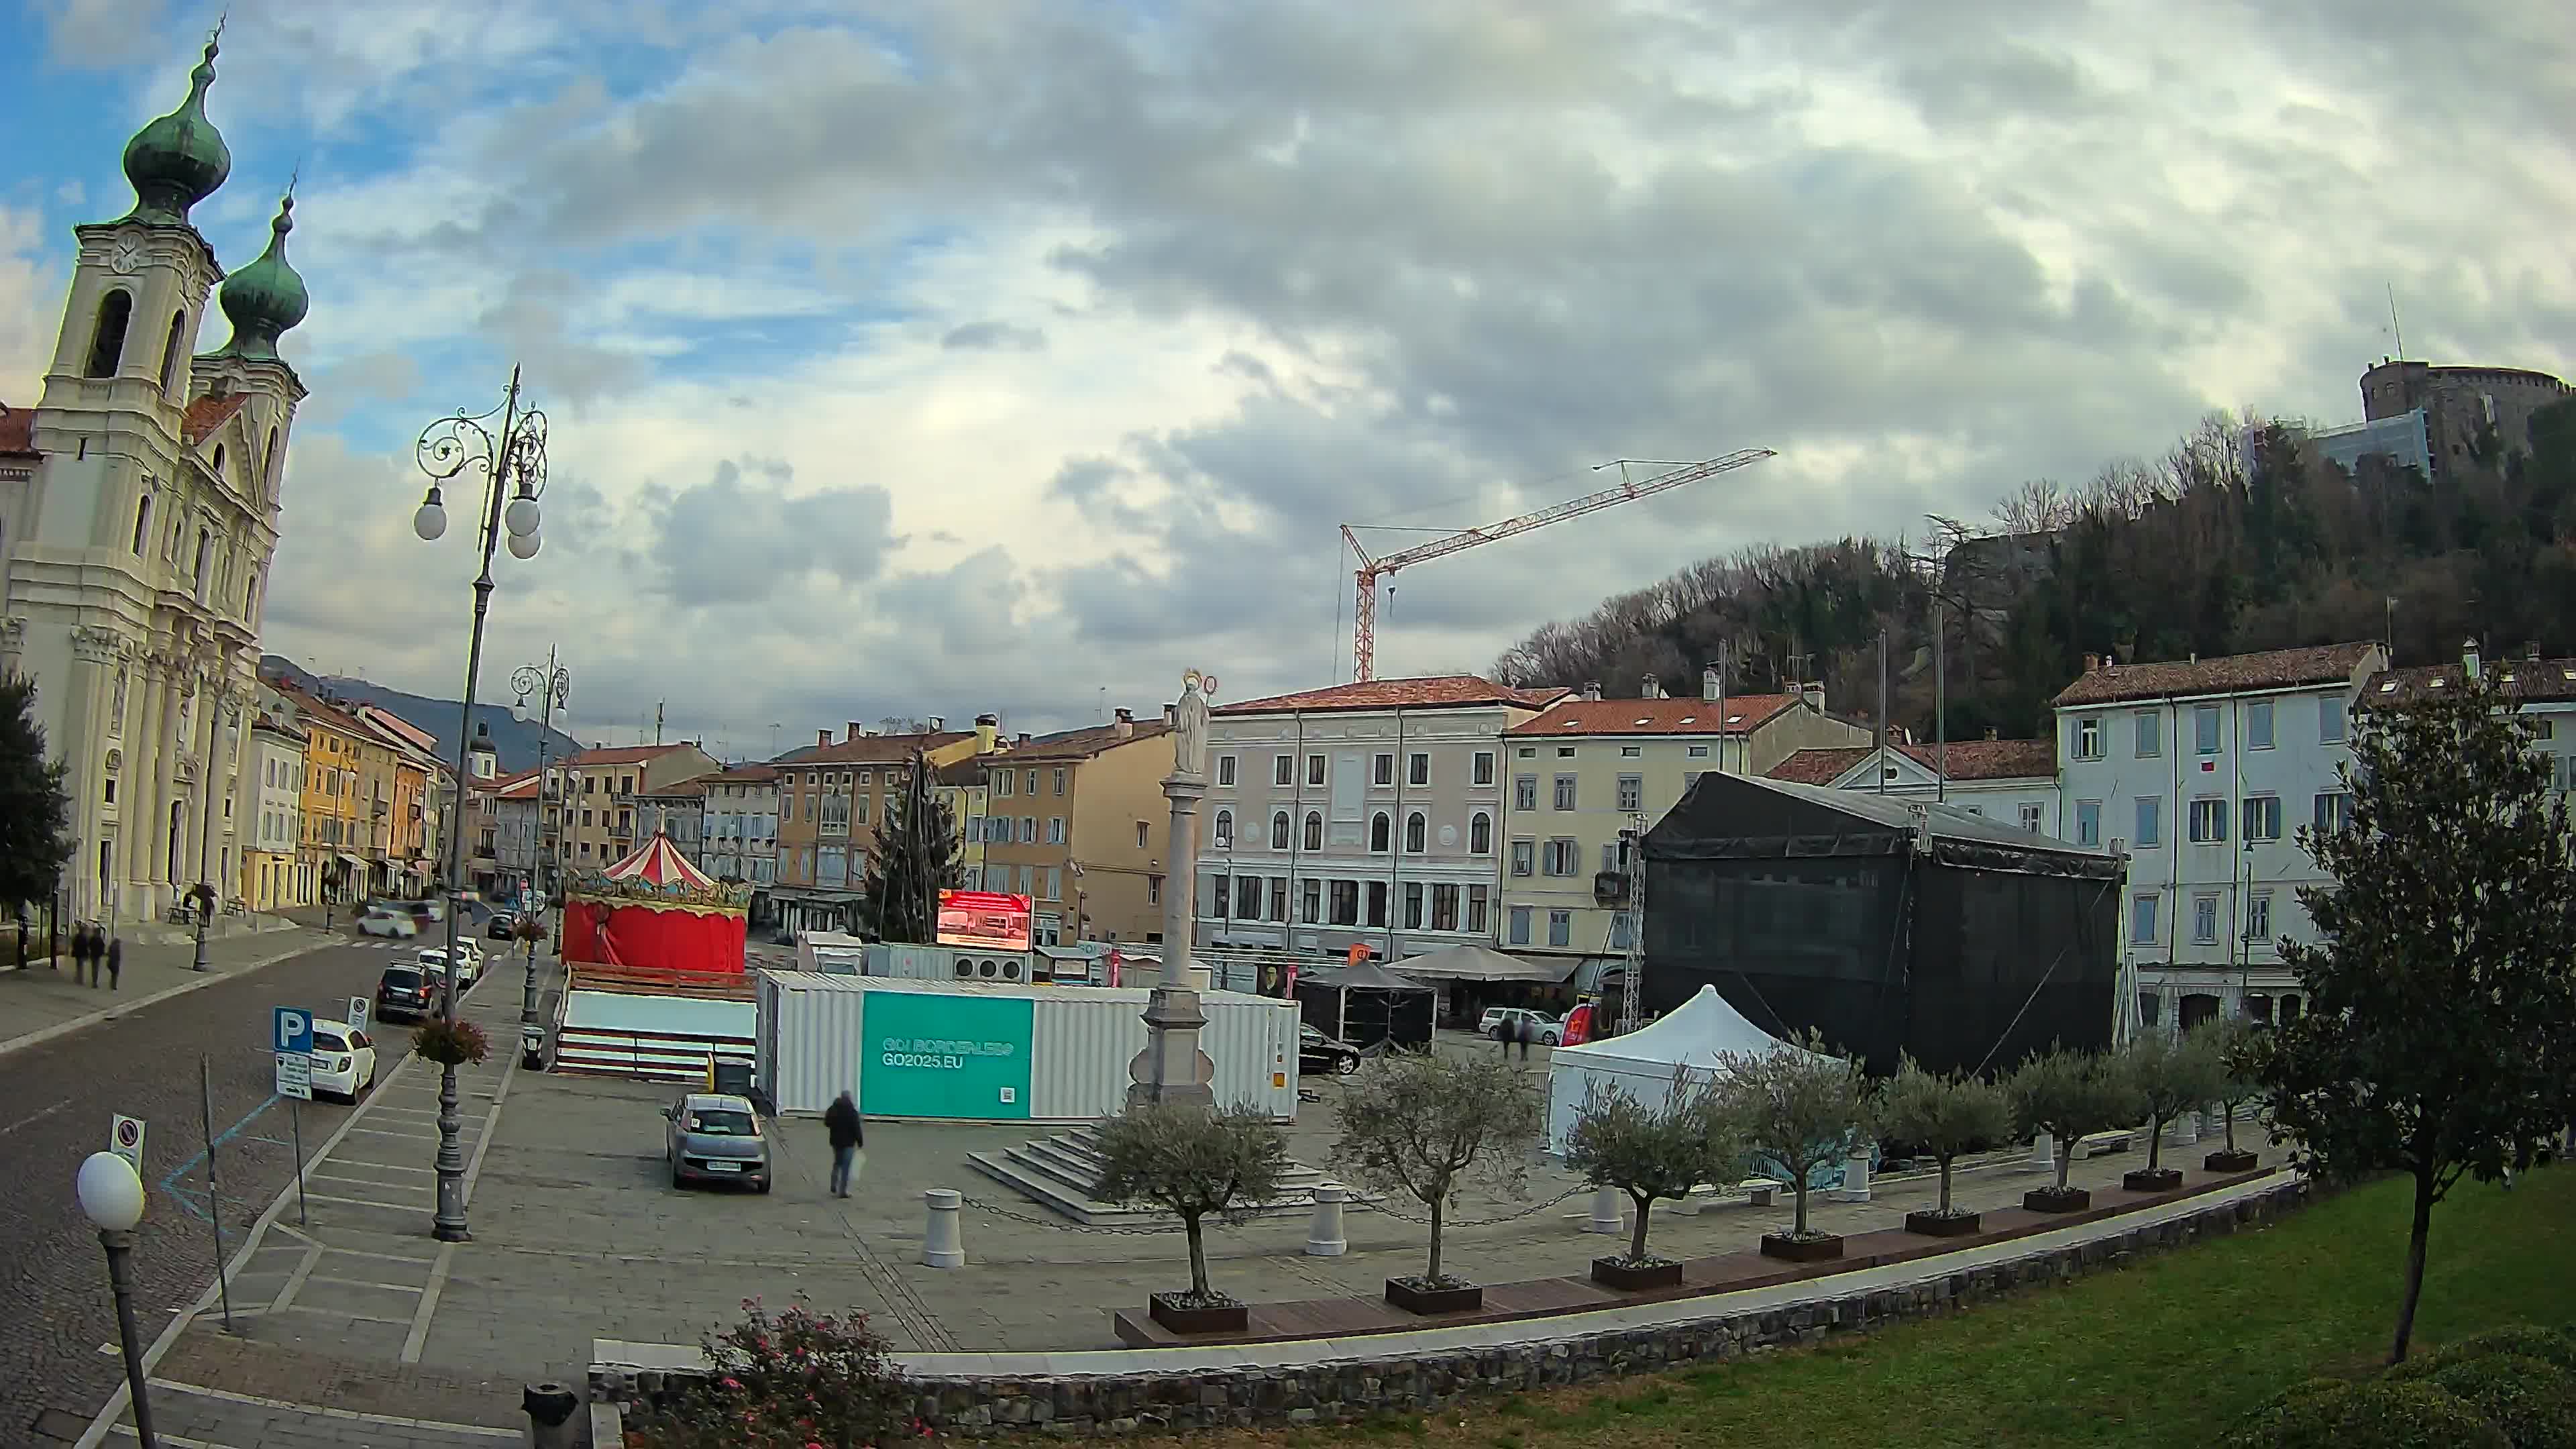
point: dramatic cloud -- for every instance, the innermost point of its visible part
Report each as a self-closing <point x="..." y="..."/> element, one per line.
<point x="930" y="360"/>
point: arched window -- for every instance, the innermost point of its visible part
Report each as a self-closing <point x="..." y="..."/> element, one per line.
<point x="268" y="464"/>
<point x="205" y="553"/>
<point x="107" y="339"/>
<point x="219" y="462"/>
<point x="170" y="355"/>
<point x="1314" y="830"/>
<point x="1415" y="827"/>
<point x="1379" y="829"/>
<point x="1225" y="830"/>
<point x="1279" y="830"/>
<point x="142" y="523"/>
<point x="250" y="598"/>
<point x="1480" y="834"/>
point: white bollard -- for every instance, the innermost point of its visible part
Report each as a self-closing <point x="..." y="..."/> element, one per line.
<point x="1324" y="1237"/>
<point x="1605" y="1212"/>
<point x="1855" y="1186"/>
<point x="942" y="1245"/>
<point x="2043" y="1154"/>
<point x="2183" y="1130"/>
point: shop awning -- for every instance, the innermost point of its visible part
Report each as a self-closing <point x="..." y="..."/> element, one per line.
<point x="354" y="862"/>
<point x="1477" y="963"/>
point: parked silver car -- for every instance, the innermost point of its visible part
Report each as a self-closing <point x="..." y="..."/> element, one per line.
<point x="717" y="1138"/>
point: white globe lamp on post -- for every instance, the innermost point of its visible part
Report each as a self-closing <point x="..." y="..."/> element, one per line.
<point x="111" y="1197"/>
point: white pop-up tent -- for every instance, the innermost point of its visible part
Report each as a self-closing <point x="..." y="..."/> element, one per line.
<point x="1644" y="1062"/>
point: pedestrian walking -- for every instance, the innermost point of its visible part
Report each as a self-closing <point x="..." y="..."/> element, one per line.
<point x="1503" y="1037"/>
<point x="1526" y="1031"/>
<point x="841" y="1120"/>
<point x="115" y="961"/>
<point x="87" y="948"/>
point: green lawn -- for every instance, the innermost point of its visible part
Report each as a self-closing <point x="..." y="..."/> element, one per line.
<point x="2168" y="1352"/>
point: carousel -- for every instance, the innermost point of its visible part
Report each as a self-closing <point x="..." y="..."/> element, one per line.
<point x="655" y="912"/>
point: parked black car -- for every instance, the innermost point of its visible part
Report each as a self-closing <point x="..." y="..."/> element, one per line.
<point x="406" y="991"/>
<point x="503" y="923"/>
<point x="1318" y="1054"/>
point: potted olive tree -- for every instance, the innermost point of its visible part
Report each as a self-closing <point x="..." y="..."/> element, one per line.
<point x="2169" y="1076"/>
<point x="1425" y="1125"/>
<point x="2068" y="1094"/>
<point x="1800" y="1108"/>
<point x="1651" y="1153"/>
<point x="1945" y="1117"/>
<point x="2233" y="1042"/>
<point x="1193" y="1164"/>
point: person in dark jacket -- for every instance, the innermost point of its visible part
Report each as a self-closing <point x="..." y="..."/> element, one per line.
<point x="841" y="1120"/>
<point x="94" y="949"/>
<point x="80" y="954"/>
<point x="115" y="962"/>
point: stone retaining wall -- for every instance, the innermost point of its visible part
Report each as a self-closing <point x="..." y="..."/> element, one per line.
<point x="1412" y="1383"/>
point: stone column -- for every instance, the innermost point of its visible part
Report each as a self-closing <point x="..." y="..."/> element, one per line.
<point x="1171" y="1070"/>
<point x="146" y="808"/>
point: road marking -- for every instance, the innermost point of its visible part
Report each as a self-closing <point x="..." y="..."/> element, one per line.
<point x="65" y="1028"/>
<point x="391" y="1207"/>
<point x="381" y="1166"/>
<point x="363" y="1283"/>
<point x="342" y="1313"/>
<point x="474" y="1169"/>
<point x="428" y="1305"/>
<point x="360" y="1181"/>
<point x="481" y="1431"/>
<point x="381" y="1132"/>
<point x="295" y="1281"/>
<point x="35" y="1117"/>
<point x="181" y="1440"/>
<point x="381" y="1257"/>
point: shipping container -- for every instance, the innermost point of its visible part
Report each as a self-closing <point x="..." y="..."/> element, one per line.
<point x="896" y="961"/>
<point x="830" y="953"/>
<point x="968" y="1051"/>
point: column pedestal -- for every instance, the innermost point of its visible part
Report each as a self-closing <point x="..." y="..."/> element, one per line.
<point x="1171" y="1070"/>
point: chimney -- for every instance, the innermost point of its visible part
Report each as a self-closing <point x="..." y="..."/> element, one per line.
<point x="2531" y="650"/>
<point x="2092" y="663"/>
<point x="2469" y="659"/>
<point x="988" y="732"/>
<point x="822" y="737"/>
<point x="1171" y="716"/>
<point x="1990" y="732"/>
<point x="1125" y="728"/>
<point x="1592" y="690"/>
<point x="1709" y="685"/>
<point x="1653" y="688"/>
<point x="1023" y="739"/>
<point x="854" y="731"/>
<point x="1814" y="694"/>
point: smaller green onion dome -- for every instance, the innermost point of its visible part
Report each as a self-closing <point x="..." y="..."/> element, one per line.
<point x="178" y="160"/>
<point x="266" y="298"/>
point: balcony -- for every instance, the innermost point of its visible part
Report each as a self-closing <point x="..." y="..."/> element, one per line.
<point x="621" y="832"/>
<point x="1610" y="888"/>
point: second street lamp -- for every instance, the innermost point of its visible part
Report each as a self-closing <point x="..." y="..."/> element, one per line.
<point x="514" y="462"/>
<point x="553" y="685"/>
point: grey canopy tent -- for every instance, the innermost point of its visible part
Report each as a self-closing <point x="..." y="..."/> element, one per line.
<point x="1366" y="1005"/>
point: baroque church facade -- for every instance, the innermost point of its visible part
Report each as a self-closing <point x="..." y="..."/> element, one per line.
<point x="139" y="506"/>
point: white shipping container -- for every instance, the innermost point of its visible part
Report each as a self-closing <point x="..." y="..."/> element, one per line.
<point x="812" y="1038"/>
<point x="829" y="952"/>
<point x="898" y="961"/>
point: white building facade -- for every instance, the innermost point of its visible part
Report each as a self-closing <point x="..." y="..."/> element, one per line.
<point x="2011" y="782"/>
<point x="1366" y="814"/>
<point x="134" y="551"/>
<point x="2202" y="772"/>
<point x="741" y="826"/>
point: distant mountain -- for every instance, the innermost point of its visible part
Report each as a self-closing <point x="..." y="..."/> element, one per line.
<point x="515" y="743"/>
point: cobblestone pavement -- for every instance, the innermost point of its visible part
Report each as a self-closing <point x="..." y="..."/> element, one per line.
<point x="144" y="1062"/>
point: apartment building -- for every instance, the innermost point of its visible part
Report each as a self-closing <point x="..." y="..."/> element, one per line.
<point x="1077" y="822"/>
<point x="2202" y="772"/>
<point x="336" y="843"/>
<point x="507" y="835"/>
<point x="1365" y="814"/>
<point x="1586" y="772"/>
<point x="678" y="810"/>
<point x="2544" y="688"/>
<point x="274" y="877"/>
<point x="831" y="799"/>
<point x="742" y="832"/>
<point x="966" y="788"/>
<point x="599" y="804"/>
<point x="2013" y="781"/>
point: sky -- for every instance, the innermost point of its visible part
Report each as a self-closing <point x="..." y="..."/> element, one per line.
<point x="1018" y="355"/>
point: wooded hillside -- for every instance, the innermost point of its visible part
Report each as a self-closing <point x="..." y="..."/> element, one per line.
<point x="2239" y="538"/>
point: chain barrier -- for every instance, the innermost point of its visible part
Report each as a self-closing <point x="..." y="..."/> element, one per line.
<point x="1425" y="1220"/>
<point x="1111" y="1230"/>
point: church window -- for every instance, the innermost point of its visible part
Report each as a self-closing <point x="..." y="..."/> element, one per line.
<point x="142" y="523"/>
<point x="107" y="339"/>
<point x="219" y="462"/>
<point x="269" y="461"/>
<point x="170" y="351"/>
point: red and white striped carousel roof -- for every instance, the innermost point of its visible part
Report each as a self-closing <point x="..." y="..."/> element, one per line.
<point x="658" y="862"/>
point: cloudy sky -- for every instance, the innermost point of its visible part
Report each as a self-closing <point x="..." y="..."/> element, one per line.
<point x="1019" y="354"/>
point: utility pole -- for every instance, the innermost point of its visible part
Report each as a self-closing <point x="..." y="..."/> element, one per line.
<point x="1940" y="706"/>
<point x="657" y="723"/>
<point x="1883" y="732"/>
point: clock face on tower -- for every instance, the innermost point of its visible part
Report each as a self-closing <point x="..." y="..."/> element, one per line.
<point x="127" y="255"/>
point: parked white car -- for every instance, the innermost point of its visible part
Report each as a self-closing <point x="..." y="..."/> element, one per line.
<point x="397" y="925"/>
<point x="344" y="1060"/>
<point x="469" y="964"/>
<point x="1544" y="1029"/>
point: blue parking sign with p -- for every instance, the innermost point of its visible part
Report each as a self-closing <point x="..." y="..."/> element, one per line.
<point x="294" y="1030"/>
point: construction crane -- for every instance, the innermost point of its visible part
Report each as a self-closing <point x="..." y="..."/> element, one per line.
<point x="1364" y="620"/>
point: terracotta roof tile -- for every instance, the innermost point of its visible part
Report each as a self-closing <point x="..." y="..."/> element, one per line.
<point x="2234" y="673"/>
<point x="1082" y="744"/>
<point x="17" y="430"/>
<point x="208" y="413"/>
<point x="2526" y="679"/>
<point x="1740" y="714"/>
<point x="1969" y="760"/>
<point x="623" y="755"/>
<point x="1444" y="691"/>
<point x="745" y="775"/>
<point x="874" y="749"/>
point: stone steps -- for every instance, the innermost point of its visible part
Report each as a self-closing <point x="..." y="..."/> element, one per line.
<point x="1062" y="1173"/>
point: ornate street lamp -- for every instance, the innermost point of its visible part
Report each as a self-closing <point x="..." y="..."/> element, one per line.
<point x="553" y="687"/>
<point x="513" y="465"/>
<point x="111" y="1196"/>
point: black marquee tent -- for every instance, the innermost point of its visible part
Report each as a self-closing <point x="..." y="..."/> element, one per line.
<point x="1888" y="924"/>
<point x="1366" y="1004"/>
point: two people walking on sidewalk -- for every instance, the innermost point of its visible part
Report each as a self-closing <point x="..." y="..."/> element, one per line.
<point x="92" y="948"/>
<point x="849" y="1153"/>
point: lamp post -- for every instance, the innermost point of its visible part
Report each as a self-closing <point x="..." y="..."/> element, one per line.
<point x="112" y="1198"/>
<point x="553" y="686"/>
<point x="514" y="460"/>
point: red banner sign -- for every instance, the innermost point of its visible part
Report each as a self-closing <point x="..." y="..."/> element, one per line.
<point x="985" y="919"/>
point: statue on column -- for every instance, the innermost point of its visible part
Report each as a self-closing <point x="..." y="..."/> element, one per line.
<point x="1190" y="725"/>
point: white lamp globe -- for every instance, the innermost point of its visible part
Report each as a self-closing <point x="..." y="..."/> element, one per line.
<point x="523" y="545"/>
<point x="110" y="1194"/>
<point x="521" y="515"/>
<point x="431" y="520"/>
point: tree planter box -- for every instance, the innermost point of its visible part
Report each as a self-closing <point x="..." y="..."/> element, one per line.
<point x="2056" y="1200"/>
<point x="1635" y="1277"/>
<point x="1935" y="1225"/>
<point x="2152" y="1179"/>
<point x="2223" y="1160"/>
<point x="1413" y="1296"/>
<point x="1802" y="1250"/>
<point x="1168" y="1310"/>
